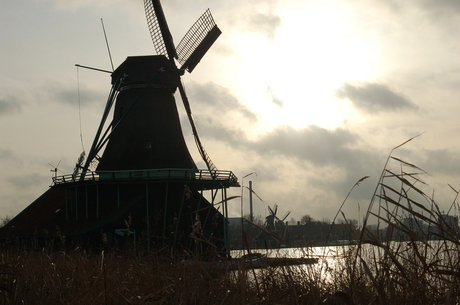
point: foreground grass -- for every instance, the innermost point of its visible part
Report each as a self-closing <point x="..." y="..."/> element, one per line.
<point x="402" y="276"/>
<point x="410" y="257"/>
<point x="80" y="278"/>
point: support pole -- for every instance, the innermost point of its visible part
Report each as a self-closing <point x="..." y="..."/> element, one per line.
<point x="197" y="209"/>
<point x="86" y="202"/>
<point x="225" y="222"/>
<point x="165" y="214"/>
<point x="178" y="221"/>
<point x="76" y="203"/>
<point x="118" y="195"/>
<point x="66" y="204"/>
<point x="97" y="200"/>
<point x="251" y="214"/>
<point x="212" y="205"/>
<point x="148" y="216"/>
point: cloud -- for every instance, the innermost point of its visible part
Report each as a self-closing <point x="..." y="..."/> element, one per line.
<point x="374" y="98"/>
<point x="212" y="97"/>
<point x="274" y="98"/>
<point x="447" y="6"/>
<point x="71" y="95"/>
<point x="10" y="106"/>
<point x="264" y="23"/>
<point x="6" y="155"/>
<point x="315" y="144"/>
<point x="26" y="181"/>
<point x="442" y="161"/>
<point x="214" y="129"/>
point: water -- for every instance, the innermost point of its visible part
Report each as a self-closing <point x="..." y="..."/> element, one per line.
<point x="395" y="257"/>
<point x="330" y="259"/>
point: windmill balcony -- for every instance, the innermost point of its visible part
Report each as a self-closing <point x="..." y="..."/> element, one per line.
<point x="226" y="177"/>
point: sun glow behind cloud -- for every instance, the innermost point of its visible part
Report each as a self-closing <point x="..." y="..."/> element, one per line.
<point x="291" y="79"/>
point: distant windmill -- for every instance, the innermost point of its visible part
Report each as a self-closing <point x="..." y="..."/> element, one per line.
<point x="273" y="222"/>
<point x="274" y="227"/>
<point x="55" y="169"/>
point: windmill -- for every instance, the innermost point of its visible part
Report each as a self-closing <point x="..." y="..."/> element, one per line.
<point x="139" y="166"/>
<point x="188" y="53"/>
<point x="274" y="227"/>
<point x="55" y="169"/>
<point x="144" y="138"/>
<point x="273" y="222"/>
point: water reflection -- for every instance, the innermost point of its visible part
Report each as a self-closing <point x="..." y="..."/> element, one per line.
<point x="331" y="259"/>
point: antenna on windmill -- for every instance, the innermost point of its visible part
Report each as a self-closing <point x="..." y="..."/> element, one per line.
<point x="188" y="53"/>
<point x="55" y="169"/>
<point x="107" y="43"/>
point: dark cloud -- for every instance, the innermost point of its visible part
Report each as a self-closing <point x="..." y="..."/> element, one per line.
<point x="274" y="98"/>
<point x="442" y="161"/>
<point x="10" y="106"/>
<point x="266" y="24"/>
<point x="209" y="127"/>
<point x="433" y="8"/>
<point x="213" y="97"/>
<point x="315" y="144"/>
<point x="26" y="181"/>
<point x="446" y="6"/>
<point x="85" y="96"/>
<point x="6" y="155"/>
<point x="320" y="146"/>
<point x="374" y="98"/>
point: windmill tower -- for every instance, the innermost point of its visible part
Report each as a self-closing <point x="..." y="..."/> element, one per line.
<point x="139" y="165"/>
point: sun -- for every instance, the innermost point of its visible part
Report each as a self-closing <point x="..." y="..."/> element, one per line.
<point x="292" y="79"/>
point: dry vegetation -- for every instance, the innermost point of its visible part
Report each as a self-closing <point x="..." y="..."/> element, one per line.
<point x="396" y="262"/>
<point x="80" y="278"/>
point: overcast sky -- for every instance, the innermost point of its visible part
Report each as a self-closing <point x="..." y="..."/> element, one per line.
<point x="309" y="95"/>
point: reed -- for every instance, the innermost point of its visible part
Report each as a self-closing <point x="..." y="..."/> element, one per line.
<point x="409" y="256"/>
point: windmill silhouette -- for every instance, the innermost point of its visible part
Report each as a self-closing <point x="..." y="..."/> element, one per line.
<point x="141" y="79"/>
<point x="143" y="168"/>
<point x="273" y="222"/>
<point x="274" y="227"/>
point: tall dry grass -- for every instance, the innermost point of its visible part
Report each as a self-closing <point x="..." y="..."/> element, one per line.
<point x="410" y="256"/>
<point x="77" y="277"/>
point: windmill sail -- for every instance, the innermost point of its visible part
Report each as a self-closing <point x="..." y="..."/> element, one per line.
<point x="197" y="41"/>
<point x="159" y="30"/>
<point x="189" y="52"/>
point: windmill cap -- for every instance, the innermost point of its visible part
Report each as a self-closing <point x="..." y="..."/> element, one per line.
<point x="153" y="69"/>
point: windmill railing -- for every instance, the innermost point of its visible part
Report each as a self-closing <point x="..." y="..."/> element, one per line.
<point x="151" y="174"/>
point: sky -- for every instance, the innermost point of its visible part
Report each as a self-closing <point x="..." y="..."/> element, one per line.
<point x="304" y="97"/>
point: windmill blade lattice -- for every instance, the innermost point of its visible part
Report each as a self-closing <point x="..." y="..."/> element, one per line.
<point x="197" y="41"/>
<point x="161" y="37"/>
